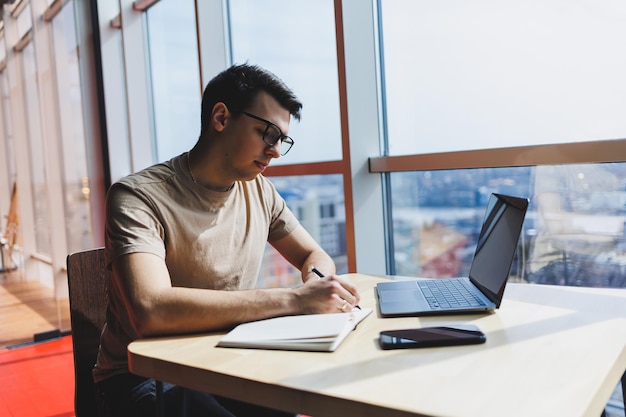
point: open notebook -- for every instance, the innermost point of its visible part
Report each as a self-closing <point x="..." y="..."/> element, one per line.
<point x="313" y="332"/>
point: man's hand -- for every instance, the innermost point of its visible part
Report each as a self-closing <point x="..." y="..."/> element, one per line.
<point x="331" y="294"/>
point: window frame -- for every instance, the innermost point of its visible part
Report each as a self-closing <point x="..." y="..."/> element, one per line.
<point x="564" y="153"/>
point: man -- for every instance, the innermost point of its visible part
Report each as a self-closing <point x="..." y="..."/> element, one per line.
<point x="185" y="239"/>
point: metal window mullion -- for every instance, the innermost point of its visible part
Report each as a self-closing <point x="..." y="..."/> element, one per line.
<point x="387" y="206"/>
<point x="364" y="128"/>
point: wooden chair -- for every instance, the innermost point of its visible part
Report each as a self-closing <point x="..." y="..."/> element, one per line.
<point x="88" y="281"/>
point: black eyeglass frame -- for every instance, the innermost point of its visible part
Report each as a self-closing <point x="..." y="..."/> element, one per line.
<point x="284" y="139"/>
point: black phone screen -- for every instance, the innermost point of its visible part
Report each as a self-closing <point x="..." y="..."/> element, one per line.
<point x="431" y="336"/>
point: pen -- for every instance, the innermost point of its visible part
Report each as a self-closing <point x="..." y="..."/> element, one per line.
<point x="319" y="274"/>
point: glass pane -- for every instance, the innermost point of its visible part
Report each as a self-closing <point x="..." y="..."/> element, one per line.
<point x="477" y="74"/>
<point x="296" y="41"/>
<point x="36" y="147"/>
<point x="75" y="174"/>
<point x="574" y="231"/>
<point x="7" y="131"/>
<point x="317" y="201"/>
<point x="24" y="21"/>
<point x="175" y="75"/>
<point x="581" y="217"/>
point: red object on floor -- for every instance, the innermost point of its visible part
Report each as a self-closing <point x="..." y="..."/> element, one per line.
<point x="38" y="380"/>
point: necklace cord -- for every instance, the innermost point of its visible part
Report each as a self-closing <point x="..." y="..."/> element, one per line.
<point x="194" y="178"/>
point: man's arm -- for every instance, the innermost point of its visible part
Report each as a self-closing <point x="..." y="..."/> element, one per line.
<point x="303" y="252"/>
<point x="156" y="308"/>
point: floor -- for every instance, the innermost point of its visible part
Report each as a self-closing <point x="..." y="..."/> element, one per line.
<point x="28" y="308"/>
<point x="37" y="380"/>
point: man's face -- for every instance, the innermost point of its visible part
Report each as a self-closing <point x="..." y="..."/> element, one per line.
<point x="245" y="154"/>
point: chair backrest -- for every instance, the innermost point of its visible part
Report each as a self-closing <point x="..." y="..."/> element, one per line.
<point x="88" y="281"/>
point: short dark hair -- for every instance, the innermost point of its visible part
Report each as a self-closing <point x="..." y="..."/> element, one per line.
<point x="238" y="86"/>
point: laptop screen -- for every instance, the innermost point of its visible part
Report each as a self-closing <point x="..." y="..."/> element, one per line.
<point x="497" y="241"/>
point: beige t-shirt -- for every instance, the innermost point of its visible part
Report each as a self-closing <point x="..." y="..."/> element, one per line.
<point x="208" y="239"/>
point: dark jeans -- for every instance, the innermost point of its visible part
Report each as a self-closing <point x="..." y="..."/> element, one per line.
<point x="129" y="395"/>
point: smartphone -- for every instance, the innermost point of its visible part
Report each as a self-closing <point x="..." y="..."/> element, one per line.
<point x="431" y="336"/>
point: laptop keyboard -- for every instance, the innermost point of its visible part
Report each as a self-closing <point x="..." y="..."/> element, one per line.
<point x="447" y="293"/>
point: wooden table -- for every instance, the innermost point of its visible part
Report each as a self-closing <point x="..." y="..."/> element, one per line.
<point x="550" y="351"/>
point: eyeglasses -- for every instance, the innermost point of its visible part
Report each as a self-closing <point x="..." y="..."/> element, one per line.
<point x="273" y="134"/>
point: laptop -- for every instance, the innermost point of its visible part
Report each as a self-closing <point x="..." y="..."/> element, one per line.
<point x="482" y="291"/>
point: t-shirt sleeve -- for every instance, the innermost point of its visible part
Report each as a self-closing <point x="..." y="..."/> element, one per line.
<point x="131" y="224"/>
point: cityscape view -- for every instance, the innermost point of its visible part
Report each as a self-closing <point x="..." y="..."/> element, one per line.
<point x="437" y="217"/>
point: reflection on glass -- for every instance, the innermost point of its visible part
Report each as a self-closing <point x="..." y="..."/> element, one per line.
<point x="581" y="214"/>
<point x="36" y="149"/>
<point x="75" y="175"/>
<point x="175" y="76"/>
<point x="574" y="233"/>
<point x="299" y="47"/>
<point x="317" y="201"/>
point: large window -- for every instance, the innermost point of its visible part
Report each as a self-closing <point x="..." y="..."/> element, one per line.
<point x="481" y="74"/>
<point x="175" y="72"/>
<point x="317" y="201"/>
<point x="296" y="41"/>
<point x="36" y="144"/>
<point x="437" y="216"/>
<point x="75" y="178"/>
<point x="574" y="233"/>
<point x="300" y="48"/>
